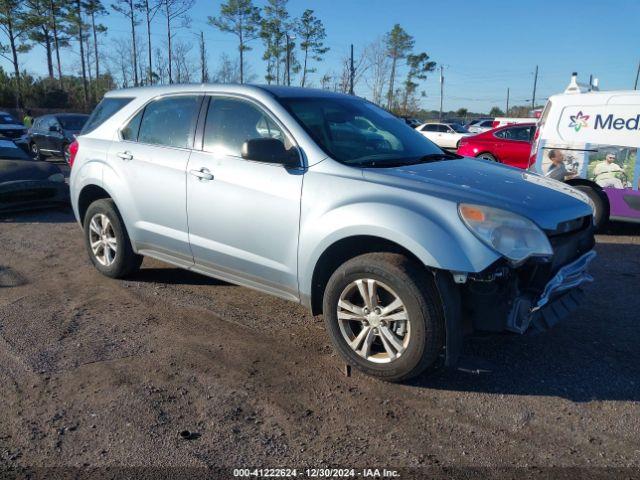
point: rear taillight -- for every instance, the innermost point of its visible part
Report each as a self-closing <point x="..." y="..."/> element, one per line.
<point x="73" y="151"/>
<point x="534" y="148"/>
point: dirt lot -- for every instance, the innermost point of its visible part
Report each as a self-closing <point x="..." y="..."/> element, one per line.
<point x="103" y="372"/>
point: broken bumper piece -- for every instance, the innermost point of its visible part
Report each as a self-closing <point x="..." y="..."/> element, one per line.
<point x="560" y="297"/>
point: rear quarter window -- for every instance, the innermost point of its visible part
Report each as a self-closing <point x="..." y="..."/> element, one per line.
<point x="103" y="111"/>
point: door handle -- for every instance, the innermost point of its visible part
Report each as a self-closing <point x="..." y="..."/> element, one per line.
<point x="202" y="174"/>
<point x="125" y="155"/>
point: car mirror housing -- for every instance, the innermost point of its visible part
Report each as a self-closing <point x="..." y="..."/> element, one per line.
<point x="54" y="128"/>
<point x="270" y="150"/>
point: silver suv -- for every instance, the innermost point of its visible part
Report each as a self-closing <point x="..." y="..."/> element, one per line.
<point x="330" y="201"/>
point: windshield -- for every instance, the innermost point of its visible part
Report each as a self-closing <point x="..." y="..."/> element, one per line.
<point x="6" y="119"/>
<point x="356" y="132"/>
<point x="75" y="122"/>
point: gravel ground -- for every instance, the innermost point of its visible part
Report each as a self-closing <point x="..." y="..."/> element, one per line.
<point x="100" y="372"/>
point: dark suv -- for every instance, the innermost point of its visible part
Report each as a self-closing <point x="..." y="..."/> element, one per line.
<point x="51" y="135"/>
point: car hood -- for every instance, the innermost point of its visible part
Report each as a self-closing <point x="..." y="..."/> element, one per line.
<point x="12" y="170"/>
<point x="544" y="201"/>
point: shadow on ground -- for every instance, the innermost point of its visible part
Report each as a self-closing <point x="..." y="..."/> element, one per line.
<point x="42" y="215"/>
<point x="174" y="276"/>
<point x="593" y="355"/>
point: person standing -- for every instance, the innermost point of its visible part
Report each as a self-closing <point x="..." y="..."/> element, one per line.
<point x="28" y="119"/>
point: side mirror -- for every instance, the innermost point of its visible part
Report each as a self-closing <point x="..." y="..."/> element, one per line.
<point x="269" y="150"/>
<point x="54" y="128"/>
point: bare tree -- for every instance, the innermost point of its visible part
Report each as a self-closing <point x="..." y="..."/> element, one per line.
<point x="150" y="8"/>
<point x="121" y="60"/>
<point x="184" y="67"/>
<point x="14" y="28"/>
<point x="228" y="70"/>
<point x="379" y="68"/>
<point x="161" y="73"/>
<point x="39" y="28"/>
<point x="57" y="11"/>
<point x="175" y="11"/>
<point x="242" y="19"/>
<point x="94" y="8"/>
<point x="129" y="10"/>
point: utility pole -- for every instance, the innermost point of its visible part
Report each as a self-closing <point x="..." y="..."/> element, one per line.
<point x="635" y="86"/>
<point x="535" y="84"/>
<point x="441" y="91"/>
<point x="506" y="112"/>
<point x="288" y="61"/>
<point x="352" y="73"/>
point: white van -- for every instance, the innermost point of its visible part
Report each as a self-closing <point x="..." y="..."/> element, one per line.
<point x="590" y="140"/>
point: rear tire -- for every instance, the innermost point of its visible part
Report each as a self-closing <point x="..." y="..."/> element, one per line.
<point x="107" y="240"/>
<point x="392" y="344"/>
<point x="488" y="156"/>
<point x="601" y="205"/>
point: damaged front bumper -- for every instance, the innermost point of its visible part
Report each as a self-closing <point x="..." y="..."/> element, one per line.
<point x="560" y="297"/>
<point x="532" y="296"/>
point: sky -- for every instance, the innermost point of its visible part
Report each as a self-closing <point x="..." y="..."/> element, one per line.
<point x="484" y="46"/>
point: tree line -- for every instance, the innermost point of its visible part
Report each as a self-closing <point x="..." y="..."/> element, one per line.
<point x="72" y="35"/>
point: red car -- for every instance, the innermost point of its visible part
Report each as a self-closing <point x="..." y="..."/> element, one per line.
<point x="510" y="144"/>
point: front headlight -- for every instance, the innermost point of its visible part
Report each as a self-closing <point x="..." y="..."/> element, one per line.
<point x="515" y="237"/>
<point x="56" y="177"/>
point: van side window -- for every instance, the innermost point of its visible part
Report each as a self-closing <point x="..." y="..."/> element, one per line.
<point x="232" y="122"/>
<point x="170" y="121"/>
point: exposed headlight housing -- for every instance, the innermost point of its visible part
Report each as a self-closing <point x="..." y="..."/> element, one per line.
<point x="515" y="237"/>
<point x="56" y="177"/>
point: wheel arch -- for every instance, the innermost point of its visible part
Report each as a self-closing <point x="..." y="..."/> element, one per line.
<point x="341" y="251"/>
<point x="89" y="194"/>
<point x="583" y="182"/>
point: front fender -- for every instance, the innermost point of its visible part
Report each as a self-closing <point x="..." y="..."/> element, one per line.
<point x="441" y="242"/>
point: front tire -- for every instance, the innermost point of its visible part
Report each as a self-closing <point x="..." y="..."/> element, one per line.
<point x="107" y="240"/>
<point x="384" y="316"/>
<point x="35" y="151"/>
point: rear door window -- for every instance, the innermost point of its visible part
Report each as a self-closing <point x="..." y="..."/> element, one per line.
<point x="170" y="121"/>
<point x="103" y="111"/>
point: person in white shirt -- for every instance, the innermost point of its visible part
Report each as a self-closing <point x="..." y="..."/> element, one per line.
<point x="606" y="173"/>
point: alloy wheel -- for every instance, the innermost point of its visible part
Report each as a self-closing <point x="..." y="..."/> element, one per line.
<point x="102" y="239"/>
<point x="373" y="320"/>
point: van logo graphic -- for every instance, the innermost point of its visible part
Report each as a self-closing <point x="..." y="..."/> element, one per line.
<point x="578" y="121"/>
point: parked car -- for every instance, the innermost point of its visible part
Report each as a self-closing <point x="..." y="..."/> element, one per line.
<point x="480" y="125"/>
<point x="27" y="183"/>
<point x="442" y="134"/>
<point x="412" y="122"/>
<point x="392" y="241"/>
<point x="510" y="145"/>
<point x="589" y="139"/>
<point x="503" y="121"/>
<point x="12" y="129"/>
<point x="51" y="135"/>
